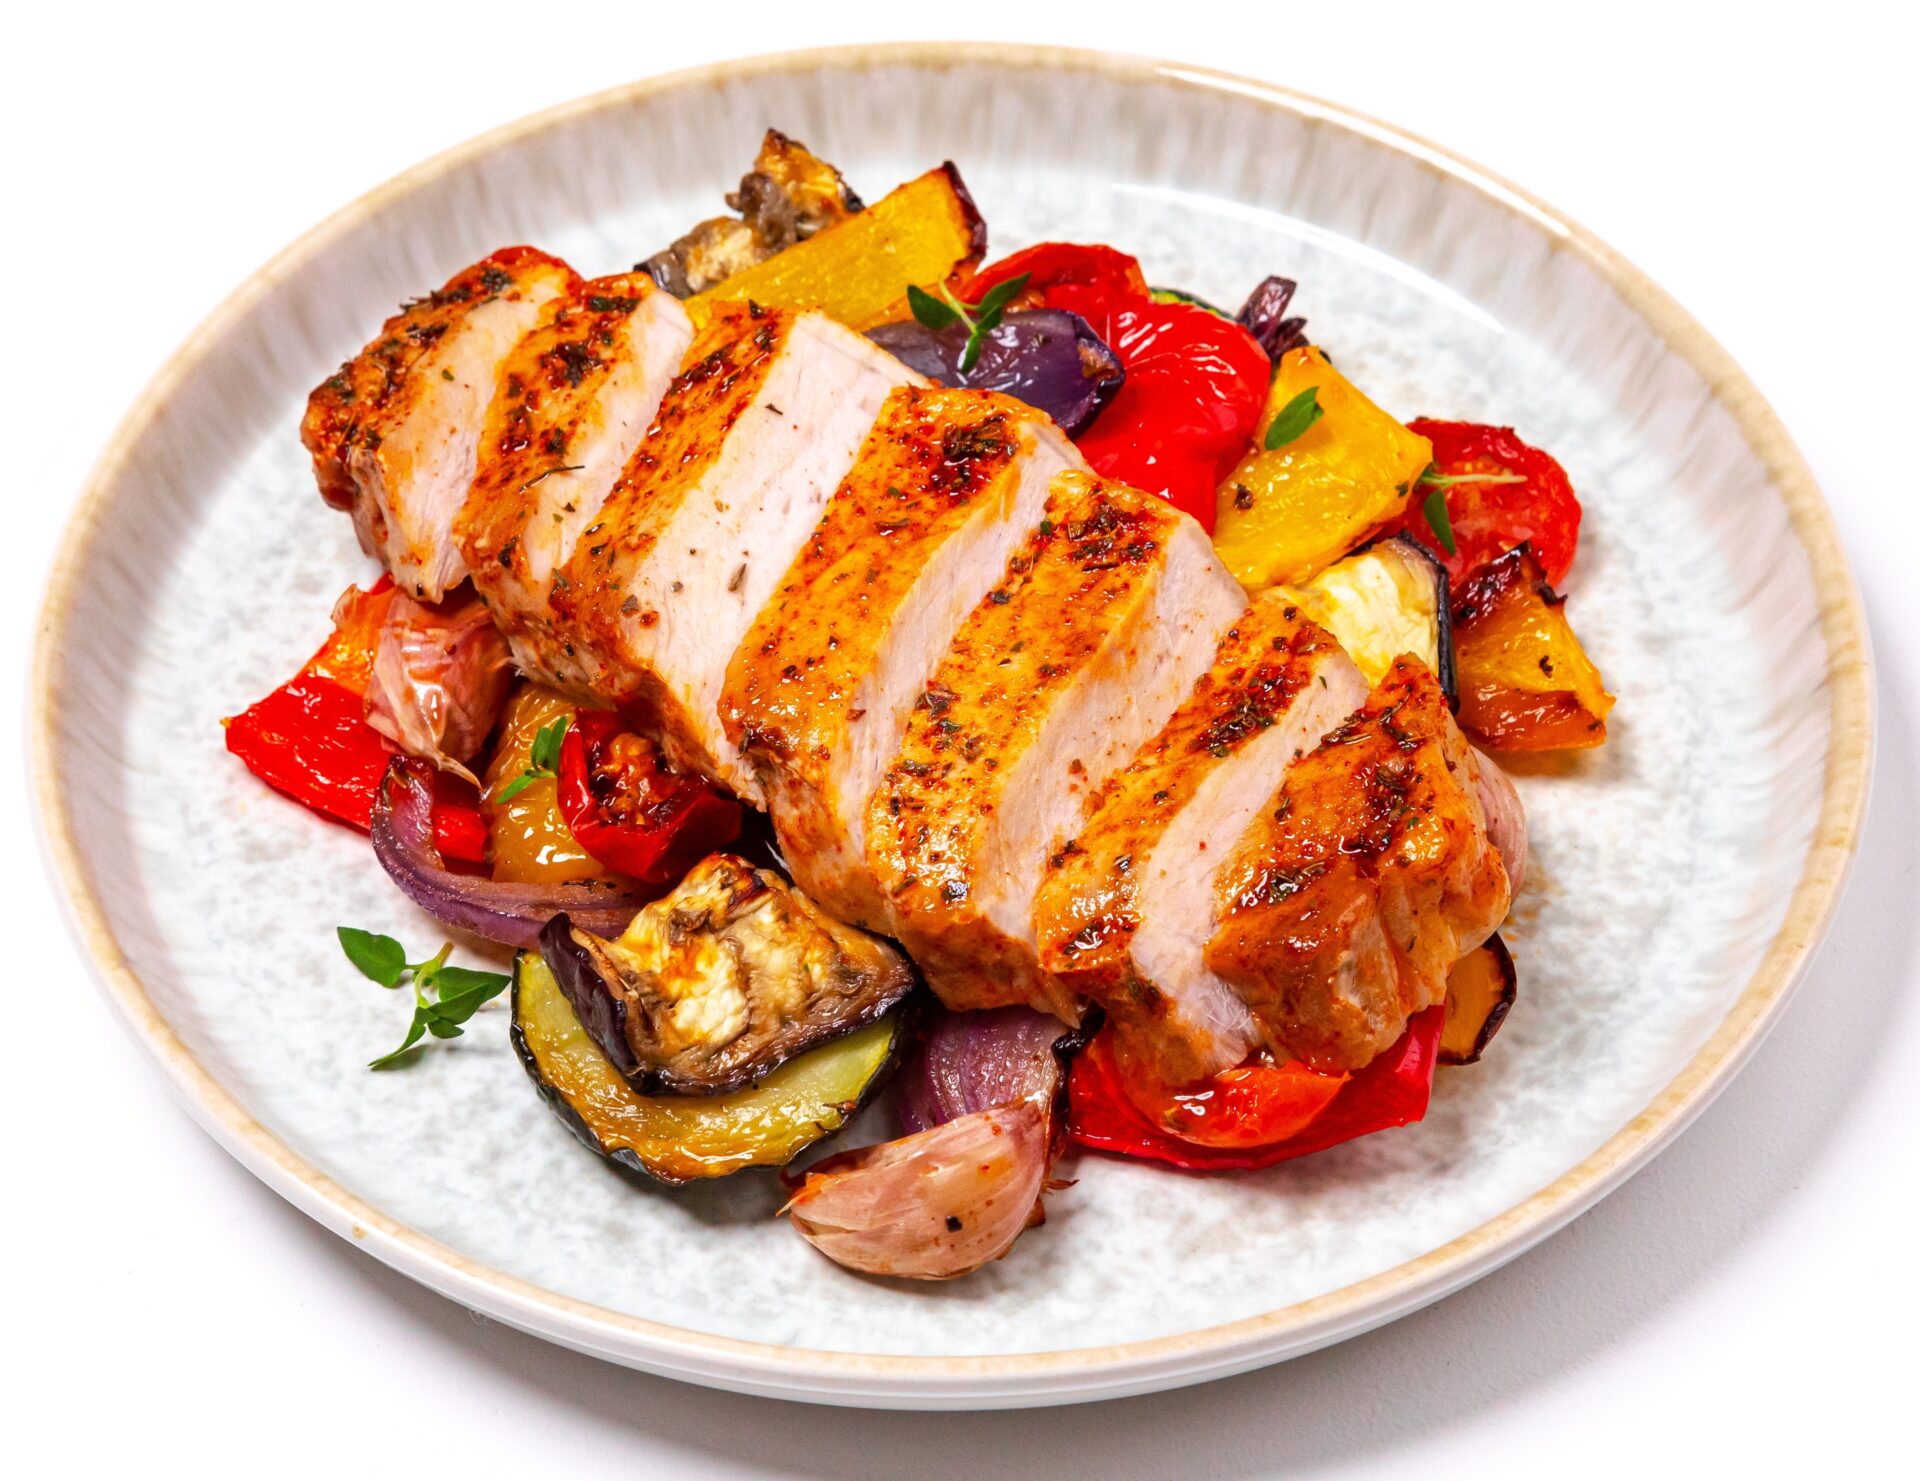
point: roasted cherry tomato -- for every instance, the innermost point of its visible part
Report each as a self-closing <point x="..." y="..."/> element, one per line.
<point x="1195" y="381"/>
<point x="1252" y="1105"/>
<point x="310" y="738"/>
<point x="1111" y="276"/>
<point x="1194" y="389"/>
<point x="624" y="805"/>
<point x="1507" y="494"/>
<point x="1391" y="1091"/>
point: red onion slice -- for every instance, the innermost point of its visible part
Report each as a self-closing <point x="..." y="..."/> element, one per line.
<point x="975" y="1061"/>
<point x="511" y="914"/>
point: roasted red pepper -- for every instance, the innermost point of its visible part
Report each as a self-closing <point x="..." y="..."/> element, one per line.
<point x="1391" y="1091"/>
<point x="629" y="811"/>
<point x="1195" y="383"/>
<point x="1507" y="493"/>
<point x="310" y="738"/>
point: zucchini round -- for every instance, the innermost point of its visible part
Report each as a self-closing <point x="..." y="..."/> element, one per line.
<point x="676" y="1139"/>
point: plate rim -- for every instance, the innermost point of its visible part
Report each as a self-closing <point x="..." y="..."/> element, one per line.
<point x="1069" y="1374"/>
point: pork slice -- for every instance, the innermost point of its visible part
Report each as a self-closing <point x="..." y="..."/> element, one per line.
<point x="1364" y="878"/>
<point x="395" y="432"/>
<point x="574" y="399"/>
<point x="1125" y="911"/>
<point x="1103" y="620"/>
<point x="947" y="485"/>
<point x="757" y="430"/>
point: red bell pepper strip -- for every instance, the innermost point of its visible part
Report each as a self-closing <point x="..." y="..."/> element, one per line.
<point x="1391" y="1091"/>
<point x="1196" y="382"/>
<point x="310" y="738"/>
<point x="632" y="814"/>
<point x="1507" y="494"/>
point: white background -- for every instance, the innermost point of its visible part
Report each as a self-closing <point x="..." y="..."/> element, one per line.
<point x="1747" y="1303"/>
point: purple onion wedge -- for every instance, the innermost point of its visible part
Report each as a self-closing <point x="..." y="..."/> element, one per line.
<point x="1264" y="316"/>
<point x="1048" y="358"/>
<point x="975" y="1061"/>
<point x="511" y="914"/>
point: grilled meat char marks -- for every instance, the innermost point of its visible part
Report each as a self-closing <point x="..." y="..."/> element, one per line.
<point x="1106" y="615"/>
<point x="751" y="438"/>
<point x="574" y="399"/>
<point x="395" y="432"/>
<point x="1125" y="911"/>
<point x="1367" y="876"/>
<point x="920" y="530"/>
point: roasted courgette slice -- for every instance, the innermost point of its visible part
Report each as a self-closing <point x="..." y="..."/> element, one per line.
<point x="679" y="1138"/>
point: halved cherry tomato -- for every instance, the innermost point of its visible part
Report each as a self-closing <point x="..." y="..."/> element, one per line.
<point x="310" y="738"/>
<point x="1488" y="518"/>
<point x="1391" y="1091"/>
<point x="626" y="808"/>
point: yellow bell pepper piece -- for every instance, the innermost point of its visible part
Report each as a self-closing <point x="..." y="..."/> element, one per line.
<point x="858" y="270"/>
<point x="1287" y="513"/>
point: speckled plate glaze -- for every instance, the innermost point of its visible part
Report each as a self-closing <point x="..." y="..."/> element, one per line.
<point x="1684" y="872"/>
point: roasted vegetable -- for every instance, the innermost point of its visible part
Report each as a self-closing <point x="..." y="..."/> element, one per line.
<point x="1195" y="378"/>
<point x="934" y="1205"/>
<point x="1388" y="599"/>
<point x="531" y="842"/>
<point x="718" y="983"/>
<point x="980" y="1102"/>
<point x="1480" y="992"/>
<point x="1265" y="316"/>
<point x="1526" y="684"/>
<point x="679" y="1138"/>
<point x="1390" y="1091"/>
<point x="440" y="676"/>
<point x="1499" y="492"/>
<point x="1047" y="358"/>
<point x="630" y="810"/>
<point x="509" y="913"/>
<point x="310" y="738"/>
<point x="859" y="269"/>
<point x="1329" y="470"/>
<point x="788" y="196"/>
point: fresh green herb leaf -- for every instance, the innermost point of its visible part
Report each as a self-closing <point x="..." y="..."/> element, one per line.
<point x="993" y="307"/>
<point x="1432" y="480"/>
<point x="1437" y="520"/>
<point x="414" y="1031"/>
<point x="543" y="761"/>
<point x="929" y="310"/>
<point x="546" y="744"/>
<point x="443" y="997"/>
<point x="1294" y="418"/>
<point x="379" y="957"/>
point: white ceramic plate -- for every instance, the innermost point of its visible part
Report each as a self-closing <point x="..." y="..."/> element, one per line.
<point x="1684" y="871"/>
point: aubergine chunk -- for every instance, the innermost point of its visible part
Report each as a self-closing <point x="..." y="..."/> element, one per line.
<point x="720" y="982"/>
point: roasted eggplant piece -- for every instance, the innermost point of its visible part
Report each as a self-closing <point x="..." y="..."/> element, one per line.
<point x="719" y="983"/>
<point x="786" y="197"/>
<point x="677" y="1139"/>
<point x="1389" y="599"/>
<point x="1048" y="358"/>
<point x="1480" y="993"/>
<point x="859" y="269"/>
<point x="1526" y="684"/>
